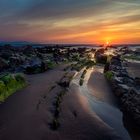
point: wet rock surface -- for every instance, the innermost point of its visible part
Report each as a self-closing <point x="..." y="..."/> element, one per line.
<point x="32" y="60"/>
<point x="125" y="87"/>
<point x="100" y="57"/>
<point x="3" y="64"/>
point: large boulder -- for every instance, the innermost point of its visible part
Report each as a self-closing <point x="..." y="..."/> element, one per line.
<point x="100" y="57"/>
<point x="131" y="104"/>
<point x="34" y="66"/>
<point x="28" y="50"/>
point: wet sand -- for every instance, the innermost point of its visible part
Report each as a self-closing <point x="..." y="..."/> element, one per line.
<point x="100" y="88"/>
<point x="26" y="115"/>
<point x="103" y="102"/>
<point x="122" y="123"/>
<point x="20" y="118"/>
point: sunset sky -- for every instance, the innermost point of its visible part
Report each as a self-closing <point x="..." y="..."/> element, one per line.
<point x="70" y="21"/>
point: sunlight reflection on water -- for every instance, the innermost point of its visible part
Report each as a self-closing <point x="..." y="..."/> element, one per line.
<point x="112" y="116"/>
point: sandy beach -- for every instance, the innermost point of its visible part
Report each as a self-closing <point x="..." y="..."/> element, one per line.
<point x="88" y="112"/>
<point x="69" y="69"/>
<point x="26" y="115"/>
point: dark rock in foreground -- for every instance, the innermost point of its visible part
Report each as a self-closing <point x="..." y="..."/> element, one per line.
<point x="125" y="87"/>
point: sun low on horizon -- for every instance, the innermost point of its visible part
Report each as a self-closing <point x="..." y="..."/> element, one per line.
<point x="70" y="21"/>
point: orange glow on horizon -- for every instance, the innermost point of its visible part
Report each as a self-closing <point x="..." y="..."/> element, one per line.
<point x="107" y="42"/>
<point x="112" y="22"/>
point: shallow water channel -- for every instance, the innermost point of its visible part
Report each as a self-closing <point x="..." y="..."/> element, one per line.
<point x="108" y="113"/>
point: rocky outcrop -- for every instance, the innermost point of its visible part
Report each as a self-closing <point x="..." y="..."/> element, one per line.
<point x="124" y="87"/>
<point x="34" y="66"/>
<point x="23" y="59"/>
<point x="100" y="57"/>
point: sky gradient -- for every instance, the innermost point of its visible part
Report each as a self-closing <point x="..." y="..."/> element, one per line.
<point x="70" y="21"/>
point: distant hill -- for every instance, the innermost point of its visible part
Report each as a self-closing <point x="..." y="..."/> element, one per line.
<point x="24" y="43"/>
<point x="35" y="44"/>
<point x="15" y="43"/>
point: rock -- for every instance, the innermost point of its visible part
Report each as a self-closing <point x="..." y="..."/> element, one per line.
<point x="131" y="104"/>
<point x="125" y="87"/>
<point x="115" y="59"/>
<point x="3" y="64"/>
<point x="5" y="54"/>
<point x="137" y="81"/>
<point x="115" y="68"/>
<point x="16" y="61"/>
<point x="34" y="66"/>
<point x="107" y="67"/>
<point x="100" y="57"/>
<point x="128" y="81"/>
<point x="65" y="81"/>
<point x="121" y="90"/>
<point x="28" y="50"/>
<point x="118" y="80"/>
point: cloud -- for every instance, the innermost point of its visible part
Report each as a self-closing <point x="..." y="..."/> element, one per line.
<point x="62" y="20"/>
<point x="54" y="9"/>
